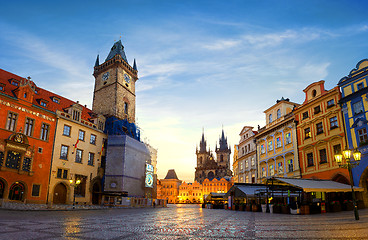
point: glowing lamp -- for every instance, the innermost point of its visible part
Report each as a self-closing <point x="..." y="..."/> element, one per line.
<point x="346" y="153"/>
<point x="78" y="182"/>
<point x="338" y="158"/>
<point x="357" y="155"/>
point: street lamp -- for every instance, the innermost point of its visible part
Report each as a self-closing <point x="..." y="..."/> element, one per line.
<point x="74" y="185"/>
<point x="346" y="154"/>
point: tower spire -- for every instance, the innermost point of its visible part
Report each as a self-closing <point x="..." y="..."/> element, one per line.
<point x="97" y="63"/>
<point x="135" y="65"/>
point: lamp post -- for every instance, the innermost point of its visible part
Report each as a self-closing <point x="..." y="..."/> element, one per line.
<point x="346" y="155"/>
<point x="74" y="185"/>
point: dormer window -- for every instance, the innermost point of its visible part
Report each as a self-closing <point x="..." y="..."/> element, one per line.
<point x="2" y="87"/>
<point x="15" y="83"/>
<point x="56" y="100"/>
<point x="43" y="104"/>
<point x="25" y="95"/>
<point x="314" y="93"/>
<point x="278" y="113"/>
<point x="76" y="115"/>
<point x="270" y="118"/>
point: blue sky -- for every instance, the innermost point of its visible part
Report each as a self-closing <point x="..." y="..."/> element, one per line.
<point x="202" y="64"/>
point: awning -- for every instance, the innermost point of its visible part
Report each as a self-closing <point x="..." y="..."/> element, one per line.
<point x="315" y="185"/>
<point x="246" y="190"/>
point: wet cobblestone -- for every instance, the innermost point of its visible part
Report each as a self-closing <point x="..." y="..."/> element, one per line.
<point x="178" y="222"/>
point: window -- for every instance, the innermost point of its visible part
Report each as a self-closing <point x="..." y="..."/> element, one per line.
<point x="358" y="107"/>
<point x="25" y="95"/>
<point x="270" y="118"/>
<point x="59" y="173"/>
<point x="322" y="156"/>
<point x="93" y="139"/>
<point x="278" y="113"/>
<point x="91" y="158"/>
<point x="319" y="128"/>
<point x="362" y="133"/>
<point x="264" y="174"/>
<point x="15" y="83"/>
<point x="64" y="152"/>
<point x="278" y="142"/>
<point x="310" y="159"/>
<point x="45" y="131"/>
<point x="27" y="164"/>
<point x="78" y="156"/>
<point x="11" y="122"/>
<point x="262" y="148"/>
<point x="360" y="86"/>
<point x="330" y="103"/>
<point x="290" y="165"/>
<point x="66" y="131"/>
<point x="288" y="138"/>
<point x="100" y="125"/>
<point x="253" y="161"/>
<point x="56" y="100"/>
<point x="13" y="160"/>
<point x="305" y="115"/>
<point x="81" y="135"/>
<point x="272" y="171"/>
<point x="314" y="92"/>
<point x="43" y="104"/>
<point x="76" y="115"/>
<point x="1" y="88"/>
<point x="280" y="168"/>
<point x="307" y="133"/>
<point x="246" y="164"/>
<point x="126" y="108"/>
<point x="28" y="129"/>
<point x="36" y="190"/>
<point x="337" y="148"/>
<point x="270" y="146"/>
<point x="333" y="123"/>
<point x="317" y="109"/>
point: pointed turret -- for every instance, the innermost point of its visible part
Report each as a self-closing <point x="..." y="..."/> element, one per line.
<point x="117" y="49"/>
<point x="202" y="144"/>
<point x="223" y="141"/>
<point x="135" y="65"/>
<point x="97" y="63"/>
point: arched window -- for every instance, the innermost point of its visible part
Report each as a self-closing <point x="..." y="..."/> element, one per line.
<point x="270" y="118"/>
<point x="278" y="113"/>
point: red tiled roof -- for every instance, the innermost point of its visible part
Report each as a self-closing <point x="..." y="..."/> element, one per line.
<point x="48" y="96"/>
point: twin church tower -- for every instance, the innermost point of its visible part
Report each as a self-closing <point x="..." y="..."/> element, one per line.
<point x="207" y="166"/>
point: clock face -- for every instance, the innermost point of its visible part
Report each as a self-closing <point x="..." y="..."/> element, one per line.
<point x="149" y="180"/>
<point x="105" y="76"/>
<point x="126" y="78"/>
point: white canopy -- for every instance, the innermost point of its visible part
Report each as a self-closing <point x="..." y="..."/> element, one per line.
<point x="315" y="185"/>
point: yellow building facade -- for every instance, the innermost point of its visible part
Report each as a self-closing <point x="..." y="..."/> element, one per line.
<point x="216" y="185"/>
<point x="168" y="188"/>
<point x="77" y="155"/>
<point x="190" y="193"/>
<point x="277" y="148"/>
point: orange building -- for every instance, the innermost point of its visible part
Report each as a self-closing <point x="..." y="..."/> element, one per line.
<point x="320" y="132"/>
<point x="26" y="140"/>
<point x="168" y="188"/>
<point x="190" y="193"/>
<point x="217" y="185"/>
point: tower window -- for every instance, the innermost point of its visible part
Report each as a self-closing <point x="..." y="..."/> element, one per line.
<point x="126" y="108"/>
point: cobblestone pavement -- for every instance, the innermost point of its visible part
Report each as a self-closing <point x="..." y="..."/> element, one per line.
<point x="178" y="222"/>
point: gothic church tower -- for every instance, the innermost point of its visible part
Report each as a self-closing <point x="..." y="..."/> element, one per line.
<point x="114" y="93"/>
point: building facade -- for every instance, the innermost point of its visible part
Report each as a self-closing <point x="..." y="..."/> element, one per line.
<point x="168" y="188"/>
<point x="247" y="157"/>
<point x="320" y="133"/>
<point x="78" y="153"/>
<point x="207" y="166"/>
<point x="277" y="148"/>
<point x="235" y="164"/>
<point x="216" y="185"/>
<point x="27" y="129"/>
<point x="190" y="193"/>
<point x="354" y="103"/>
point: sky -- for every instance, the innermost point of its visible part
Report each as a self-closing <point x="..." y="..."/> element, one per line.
<point x="203" y="66"/>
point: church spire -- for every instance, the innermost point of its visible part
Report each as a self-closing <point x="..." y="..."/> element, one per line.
<point x="202" y="144"/>
<point x="97" y="63"/>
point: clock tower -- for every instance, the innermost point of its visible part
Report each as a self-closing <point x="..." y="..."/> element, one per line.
<point x="114" y="92"/>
